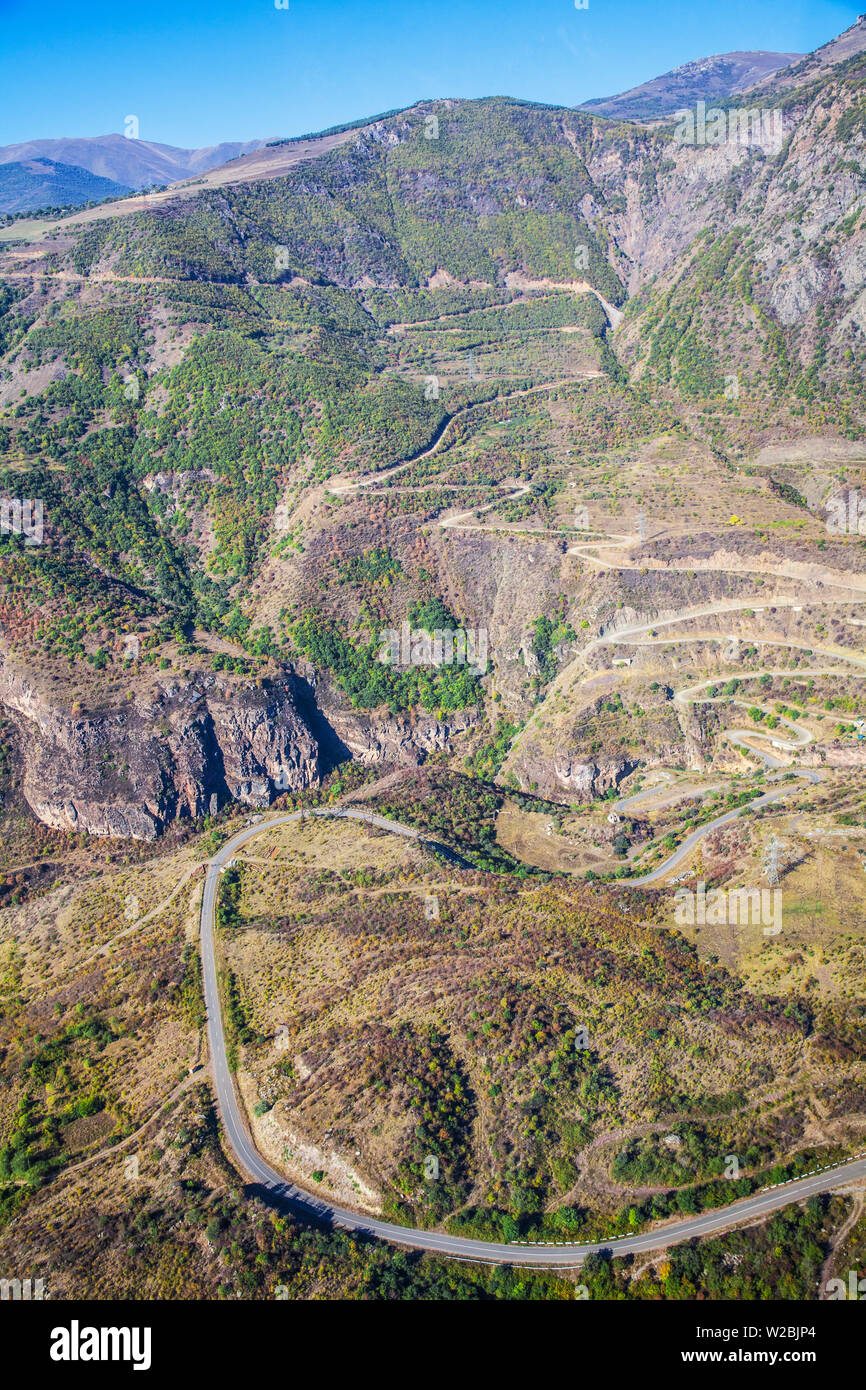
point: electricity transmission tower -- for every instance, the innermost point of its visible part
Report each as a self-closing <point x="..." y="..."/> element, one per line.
<point x="772" y="863"/>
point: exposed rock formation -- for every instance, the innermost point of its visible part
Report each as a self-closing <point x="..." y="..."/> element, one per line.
<point x="187" y="748"/>
<point x="375" y="738"/>
<point x="570" y="774"/>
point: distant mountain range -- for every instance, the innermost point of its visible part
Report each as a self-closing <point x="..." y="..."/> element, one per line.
<point x="704" y="79"/>
<point x="68" y="172"/>
<point x="126" y="163"/>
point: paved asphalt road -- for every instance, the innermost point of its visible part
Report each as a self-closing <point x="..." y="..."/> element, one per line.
<point x="490" y="1252"/>
<point x="682" y="851"/>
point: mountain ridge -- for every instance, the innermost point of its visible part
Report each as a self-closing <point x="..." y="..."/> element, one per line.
<point x="139" y="164"/>
<point x="838" y="50"/>
<point x="133" y="162"/>
<point x="183" y="381"/>
<point x="720" y="75"/>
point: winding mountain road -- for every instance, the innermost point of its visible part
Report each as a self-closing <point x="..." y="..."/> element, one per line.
<point x="305" y="1204"/>
<point x="341" y="489"/>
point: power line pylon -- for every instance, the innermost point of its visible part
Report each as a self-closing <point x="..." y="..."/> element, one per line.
<point x="772" y="863"/>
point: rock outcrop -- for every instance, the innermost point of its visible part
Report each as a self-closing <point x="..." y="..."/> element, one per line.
<point x="183" y="750"/>
<point x="407" y="739"/>
<point x="570" y="774"/>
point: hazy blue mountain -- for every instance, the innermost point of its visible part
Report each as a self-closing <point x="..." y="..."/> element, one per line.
<point x="28" y="184"/>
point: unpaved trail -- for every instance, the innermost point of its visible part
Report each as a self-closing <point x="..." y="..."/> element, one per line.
<point x="637" y="635"/>
<point x="838" y="1237"/>
<point x="340" y="489"/>
<point x="516" y="280"/>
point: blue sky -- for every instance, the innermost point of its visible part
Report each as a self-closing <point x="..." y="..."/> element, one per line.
<point x="196" y="72"/>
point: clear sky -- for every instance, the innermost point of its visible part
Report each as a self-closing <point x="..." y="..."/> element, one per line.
<point x="196" y="72"/>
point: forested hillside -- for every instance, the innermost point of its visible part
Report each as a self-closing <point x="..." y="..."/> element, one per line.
<point x="181" y="386"/>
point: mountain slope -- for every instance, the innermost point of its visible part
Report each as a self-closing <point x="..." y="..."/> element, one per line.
<point x="504" y="439"/>
<point x="43" y="183"/>
<point x="839" y="50"/>
<point x="206" y="394"/>
<point x="701" y="80"/>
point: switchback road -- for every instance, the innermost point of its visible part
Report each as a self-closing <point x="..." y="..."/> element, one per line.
<point x="307" y="1205"/>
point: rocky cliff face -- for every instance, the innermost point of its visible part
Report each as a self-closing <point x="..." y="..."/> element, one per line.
<point x="184" y="750"/>
<point x="406" y="739"/>
<point x="568" y="774"/>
